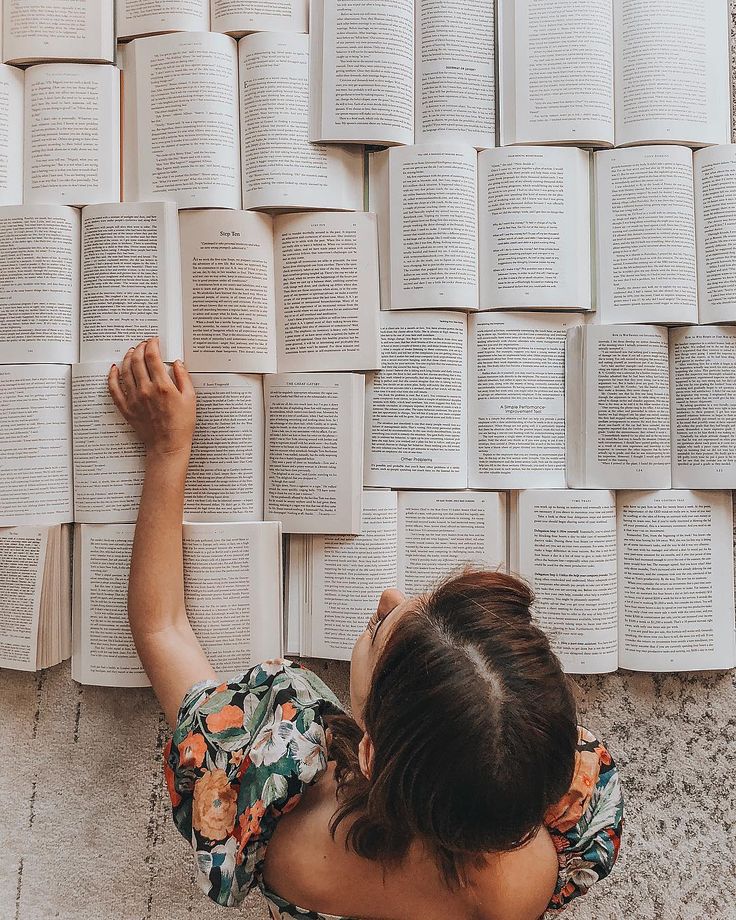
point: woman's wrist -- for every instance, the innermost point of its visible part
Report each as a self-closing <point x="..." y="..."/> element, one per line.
<point x="168" y="456"/>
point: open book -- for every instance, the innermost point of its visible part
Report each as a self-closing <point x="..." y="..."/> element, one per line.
<point x="298" y="293"/>
<point x="35" y="596"/>
<point x="504" y="228"/>
<point x="128" y="288"/>
<point x="61" y="137"/>
<point x="47" y="30"/>
<point x="660" y="250"/>
<point x="136" y="18"/>
<point x="650" y="409"/>
<point x="599" y="72"/>
<point x="438" y="419"/>
<point x="292" y="448"/>
<point x="652" y="205"/>
<point x="408" y="540"/>
<point x="400" y="71"/>
<point x="185" y="137"/>
<point x="232" y="589"/>
<point x="637" y="580"/>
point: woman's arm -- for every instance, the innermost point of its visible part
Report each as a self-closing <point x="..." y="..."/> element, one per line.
<point x="162" y="413"/>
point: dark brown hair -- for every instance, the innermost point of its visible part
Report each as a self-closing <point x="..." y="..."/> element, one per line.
<point x="474" y="728"/>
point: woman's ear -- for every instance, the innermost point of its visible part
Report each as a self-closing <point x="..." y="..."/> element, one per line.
<point x="366" y="756"/>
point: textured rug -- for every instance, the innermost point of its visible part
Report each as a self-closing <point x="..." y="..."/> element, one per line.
<point x="86" y="833"/>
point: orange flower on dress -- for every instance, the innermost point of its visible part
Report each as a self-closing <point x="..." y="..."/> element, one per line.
<point x="288" y="711"/>
<point x="567" y="890"/>
<point x="169" y="777"/>
<point x="192" y="750"/>
<point x="571" y="807"/>
<point x="603" y="755"/>
<point x="291" y="803"/>
<point x="214" y="806"/>
<point x="242" y="765"/>
<point x="227" y="717"/>
<point x="249" y="824"/>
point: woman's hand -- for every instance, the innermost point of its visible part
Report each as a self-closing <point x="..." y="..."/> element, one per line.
<point x="161" y="411"/>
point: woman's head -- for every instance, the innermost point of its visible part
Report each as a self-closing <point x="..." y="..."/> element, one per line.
<point x="467" y="724"/>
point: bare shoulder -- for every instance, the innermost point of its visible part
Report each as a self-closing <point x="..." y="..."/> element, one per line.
<point x="518" y="885"/>
<point x="305" y="865"/>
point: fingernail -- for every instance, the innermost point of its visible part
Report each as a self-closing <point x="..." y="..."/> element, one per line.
<point x="131" y="349"/>
<point x="112" y="367"/>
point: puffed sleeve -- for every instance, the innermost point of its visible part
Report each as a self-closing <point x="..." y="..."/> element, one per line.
<point x="587" y="823"/>
<point x="240" y="756"/>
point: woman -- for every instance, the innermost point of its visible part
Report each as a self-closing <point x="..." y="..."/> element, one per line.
<point x="462" y="786"/>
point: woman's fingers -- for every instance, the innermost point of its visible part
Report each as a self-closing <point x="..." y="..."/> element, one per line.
<point x="390" y="598"/>
<point x="183" y="380"/>
<point x="116" y="391"/>
<point x="161" y="412"/>
<point x="138" y="366"/>
<point x="127" y="380"/>
<point x="155" y="366"/>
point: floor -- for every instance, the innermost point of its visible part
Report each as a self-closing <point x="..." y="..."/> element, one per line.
<point x="86" y="829"/>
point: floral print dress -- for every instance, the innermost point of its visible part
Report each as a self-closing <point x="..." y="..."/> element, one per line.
<point x="244" y="750"/>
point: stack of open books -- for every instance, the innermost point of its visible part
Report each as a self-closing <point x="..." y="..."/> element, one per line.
<point x="506" y="338"/>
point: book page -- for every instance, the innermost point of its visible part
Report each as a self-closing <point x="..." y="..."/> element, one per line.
<point x="561" y="90"/>
<point x="534" y="228"/>
<point x="281" y="168"/>
<point x="676" y="585"/>
<point x="348" y="575"/>
<point x="232" y="586"/>
<point x="22" y="564"/>
<point x="455" y="85"/>
<point x="11" y="135"/>
<point x="327" y="295"/>
<point x="72" y="134"/>
<point x="671" y="67"/>
<point x="379" y="203"/>
<point x="109" y="457"/>
<point x="181" y="116"/>
<point x="433" y="226"/>
<point x="565" y="546"/>
<point x="225" y="478"/>
<point x="39" y="284"/>
<point x="240" y="16"/>
<point x="131" y="287"/>
<point x="645" y="219"/>
<point x="367" y="71"/>
<point x="232" y="589"/>
<point x="35" y="444"/>
<point x="296" y="591"/>
<point x="627" y="397"/>
<point x="703" y="375"/>
<point x="228" y="291"/>
<point x="54" y="621"/>
<point x="715" y="223"/>
<point x="147" y="17"/>
<point x="416" y="418"/>
<point x="314" y="451"/>
<point x="45" y="30"/>
<point x="440" y="532"/>
<point x="516" y="399"/>
<point x="103" y="651"/>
